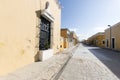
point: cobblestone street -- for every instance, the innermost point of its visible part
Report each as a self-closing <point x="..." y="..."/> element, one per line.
<point x="84" y="65"/>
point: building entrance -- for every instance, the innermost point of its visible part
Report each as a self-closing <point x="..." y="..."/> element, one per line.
<point x="113" y="43"/>
<point x="44" y="41"/>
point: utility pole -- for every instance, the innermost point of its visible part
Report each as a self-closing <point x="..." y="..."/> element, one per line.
<point x="110" y="35"/>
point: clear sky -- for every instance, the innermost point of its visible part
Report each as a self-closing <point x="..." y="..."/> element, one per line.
<point x="87" y="17"/>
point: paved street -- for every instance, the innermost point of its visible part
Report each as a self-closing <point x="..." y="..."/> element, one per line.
<point x="92" y="63"/>
<point x="109" y="58"/>
<point x="87" y="63"/>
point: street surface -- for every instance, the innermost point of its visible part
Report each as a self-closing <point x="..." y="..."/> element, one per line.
<point x="45" y="70"/>
<point x="92" y="63"/>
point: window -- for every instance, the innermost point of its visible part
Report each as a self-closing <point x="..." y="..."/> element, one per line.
<point x="103" y="42"/>
<point x="45" y="38"/>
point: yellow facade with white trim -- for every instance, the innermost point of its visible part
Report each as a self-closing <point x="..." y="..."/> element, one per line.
<point x="19" y="29"/>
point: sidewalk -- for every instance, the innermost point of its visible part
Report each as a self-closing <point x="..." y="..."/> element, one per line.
<point x="45" y="70"/>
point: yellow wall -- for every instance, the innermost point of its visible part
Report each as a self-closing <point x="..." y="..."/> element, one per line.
<point x="68" y="36"/>
<point x="65" y="36"/>
<point x="115" y="31"/>
<point x="61" y="44"/>
<point x="66" y="43"/>
<point x="19" y="32"/>
<point x="97" y="40"/>
<point x="76" y="41"/>
<point x="100" y="39"/>
<point x="64" y="33"/>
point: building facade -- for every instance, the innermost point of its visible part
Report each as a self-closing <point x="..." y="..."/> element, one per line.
<point x="74" y="38"/>
<point x="70" y="38"/>
<point x="112" y="37"/>
<point x="65" y="33"/>
<point x="61" y="44"/>
<point x="30" y="31"/>
<point x="97" y="40"/>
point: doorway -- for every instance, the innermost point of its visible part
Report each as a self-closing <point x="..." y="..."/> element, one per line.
<point x="113" y="43"/>
<point x="45" y="31"/>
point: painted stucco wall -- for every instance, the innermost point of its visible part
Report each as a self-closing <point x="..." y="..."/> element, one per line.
<point x="61" y="44"/>
<point x="65" y="36"/>
<point x="100" y="39"/>
<point x="74" y="37"/>
<point x="115" y="33"/>
<point x="64" y="33"/>
<point x="97" y="40"/>
<point x="17" y="34"/>
<point x="19" y="31"/>
<point x="107" y="37"/>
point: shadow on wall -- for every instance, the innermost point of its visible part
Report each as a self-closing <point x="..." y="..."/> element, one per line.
<point x="36" y="57"/>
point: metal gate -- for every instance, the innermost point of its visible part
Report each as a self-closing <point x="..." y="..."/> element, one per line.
<point x="44" y="42"/>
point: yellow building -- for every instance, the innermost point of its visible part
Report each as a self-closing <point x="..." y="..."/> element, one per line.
<point x="70" y="38"/>
<point x="29" y="31"/>
<point x="65" y="33"/>
<point x="97" y="40"/>
<point x="74" y="38"/>
<point x="112" y="35"/>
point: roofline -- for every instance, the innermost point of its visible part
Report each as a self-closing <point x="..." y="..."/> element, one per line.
<point x="58" y="3"/>
<point x="65" y="29"/>
<point x="113" y="26"/>
<point x="99" y="33"/>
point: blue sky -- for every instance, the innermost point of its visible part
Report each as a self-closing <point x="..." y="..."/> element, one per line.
<point x="87" y="17"/>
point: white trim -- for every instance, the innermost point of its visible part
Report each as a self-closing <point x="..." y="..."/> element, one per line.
<point x="47" y="15"/>
<point x="106" y="43"/>
<point x="51" y="35"/>
<point x="45" y="54"/>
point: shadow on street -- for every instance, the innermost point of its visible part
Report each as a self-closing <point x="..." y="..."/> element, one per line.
<point x="109" y="58"/>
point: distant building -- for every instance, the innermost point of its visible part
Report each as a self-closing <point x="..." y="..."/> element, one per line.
<point x="29" y="31"/>
<point x="70" y="38"/>
<point x="65" y="33"/>
<point x="97" y="40"/>
<point x="74" y="38"/>
<point x="114" y="33"/>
